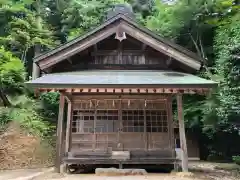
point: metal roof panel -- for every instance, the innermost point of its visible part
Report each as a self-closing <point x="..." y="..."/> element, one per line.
<point x="118" y="78"/>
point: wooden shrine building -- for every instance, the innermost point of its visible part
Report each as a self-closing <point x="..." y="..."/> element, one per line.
<point x="119" y="81"/>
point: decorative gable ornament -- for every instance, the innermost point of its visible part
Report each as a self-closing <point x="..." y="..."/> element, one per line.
<point x="120" y="35"/>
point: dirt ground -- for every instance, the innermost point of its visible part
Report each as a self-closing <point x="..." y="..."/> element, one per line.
<point x="13" y="174"/>
<point x="199" y="171"/>
<point x="20" y="150"/>
<point x="199" y="176"/>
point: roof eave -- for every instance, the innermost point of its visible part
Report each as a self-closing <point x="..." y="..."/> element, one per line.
<point x="42" y="85"/>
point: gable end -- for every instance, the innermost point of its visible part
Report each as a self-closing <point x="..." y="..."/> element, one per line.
<point x="111" y="27"/>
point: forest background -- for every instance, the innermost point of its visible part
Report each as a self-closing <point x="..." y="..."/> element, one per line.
<point x="211" y="28"/>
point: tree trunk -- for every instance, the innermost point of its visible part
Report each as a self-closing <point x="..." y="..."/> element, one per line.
<point x="4" y="98"/>
<point x="36" y="69"/>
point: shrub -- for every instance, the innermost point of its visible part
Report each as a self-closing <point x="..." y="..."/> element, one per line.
<point x="4" y="117"/>
<point x="24" y="110"/>
<point x="236" y="159"/>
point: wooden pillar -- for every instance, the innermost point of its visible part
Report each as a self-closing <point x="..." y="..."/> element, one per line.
<point x="59" y="133"/>
<point x="170" y="125"/>
<point x="69" y="127"/>
<point x="120" y="127"/>
<point x="182" y="134"/>
<point x="94" y="128"/>
<point x="145" y="127"/>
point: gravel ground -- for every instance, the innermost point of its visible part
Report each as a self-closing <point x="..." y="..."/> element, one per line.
<point x="159" y="176"/>
<point x="94" y="177"/>
<point x="13" y="174"/>
<point x="199" y="171"/>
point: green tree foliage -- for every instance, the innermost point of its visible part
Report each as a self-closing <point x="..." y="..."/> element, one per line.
<point x="50" y="103"/>
<point x="226" y="106"/>
<point x="227" y="46"/>
<point x="211" y="29"/>
<point x="20" y="27"/>
<point x="82" y="15"/>
<point x="189" y="23"/>
<point x="12" y="75"/>
<point x="143" y="7"/>
<point x="18" y="107"/>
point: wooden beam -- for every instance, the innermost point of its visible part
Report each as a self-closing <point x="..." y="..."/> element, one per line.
<point x="160" y="46"/>
<point x="95" y="52"/>
<point x="69" y="60"/>
<point x="183" y="142"/>
<point x="144" y="46"/>
<point x="68" y="128"/>
<point x="169" y="61"/>
<point x="128" y="90"/>
<point x="59" y="133"/>
<point x="77" y="47"/>
<point x="115" y="52"/>
<point x="119" y="52"/>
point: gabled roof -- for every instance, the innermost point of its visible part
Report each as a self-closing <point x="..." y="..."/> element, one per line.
<point x="110" y="27"/>
<point x="121" y="78"/>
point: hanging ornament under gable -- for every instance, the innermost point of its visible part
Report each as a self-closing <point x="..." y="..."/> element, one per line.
<point x="113" y="103"/>
<point x="90" y="104"/>
<point x="120" y="35"/>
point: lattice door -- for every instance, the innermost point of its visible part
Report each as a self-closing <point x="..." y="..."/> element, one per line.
<point x="132" y="136"/>
<point x="114" y="124"/>
<point x="157" y="124"/>
<point x="95" y="124"/>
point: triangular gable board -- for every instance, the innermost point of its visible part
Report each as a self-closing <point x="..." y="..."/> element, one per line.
<point x="109" y="28"/>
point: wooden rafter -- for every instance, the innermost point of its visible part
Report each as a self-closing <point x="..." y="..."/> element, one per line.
<point x="127" y="90"/>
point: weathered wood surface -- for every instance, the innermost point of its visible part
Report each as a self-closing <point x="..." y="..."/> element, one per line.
<point x="68" y="127"/>
<point x="59" y="133"/>
<point x="133" y="90"/>
<point x="159" y="46"/>
<point x="121" y="124"/>
<point x="78" y="47"/>
<point x="182" y="134"/>
<point x="107" y="160"/>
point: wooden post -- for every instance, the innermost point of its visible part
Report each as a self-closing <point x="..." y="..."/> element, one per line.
<point x="94" y="128"/>
<point x="170" y="125"/>
<point x="145" y="127"/>
<point x="59" y="133"/>
<point x="120" y="127"/>
<point x="68" y="128"/>
<point x="182" y="134"/>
